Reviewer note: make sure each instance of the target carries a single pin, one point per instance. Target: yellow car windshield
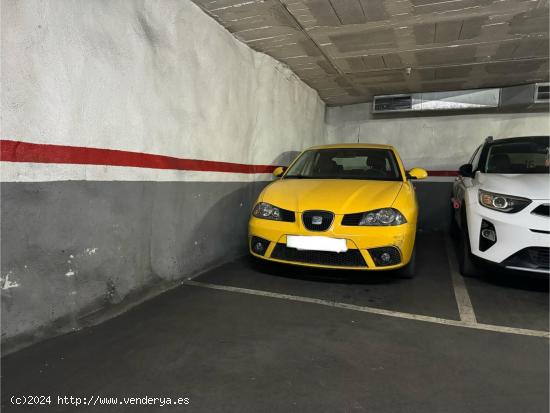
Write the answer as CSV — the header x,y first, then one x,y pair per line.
x,y
346,163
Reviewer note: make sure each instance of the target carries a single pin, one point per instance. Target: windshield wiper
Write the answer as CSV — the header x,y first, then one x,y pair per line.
x,y
298,177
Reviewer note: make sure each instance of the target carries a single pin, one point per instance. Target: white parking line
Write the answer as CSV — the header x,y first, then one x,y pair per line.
x,y
371,310
465,308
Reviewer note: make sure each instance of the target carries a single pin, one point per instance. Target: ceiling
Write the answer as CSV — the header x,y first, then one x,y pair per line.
x,y
350,50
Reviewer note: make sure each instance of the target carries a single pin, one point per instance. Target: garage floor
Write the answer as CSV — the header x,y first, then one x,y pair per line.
x,y
251,338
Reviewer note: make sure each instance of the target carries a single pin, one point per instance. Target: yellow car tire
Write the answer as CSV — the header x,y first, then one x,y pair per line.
x,y
409,271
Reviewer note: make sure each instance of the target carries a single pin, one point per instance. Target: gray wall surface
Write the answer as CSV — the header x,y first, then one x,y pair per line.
x,y
76,247
434,204
158,78
434,141
439,141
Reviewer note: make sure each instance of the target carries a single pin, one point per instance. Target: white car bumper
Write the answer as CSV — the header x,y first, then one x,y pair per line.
x,y
522,238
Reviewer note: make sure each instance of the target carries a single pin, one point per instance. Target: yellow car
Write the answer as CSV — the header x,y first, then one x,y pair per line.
x,y
349,206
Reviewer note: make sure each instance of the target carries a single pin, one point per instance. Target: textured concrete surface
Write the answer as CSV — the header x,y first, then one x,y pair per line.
x,y
147,76
434,203
380,290
163,79
150,77
78,246
432,142
350,50
501,298
72,248
231,352
507,299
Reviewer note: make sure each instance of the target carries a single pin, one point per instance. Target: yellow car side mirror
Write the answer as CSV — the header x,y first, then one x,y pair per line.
x,y
417,173
278,171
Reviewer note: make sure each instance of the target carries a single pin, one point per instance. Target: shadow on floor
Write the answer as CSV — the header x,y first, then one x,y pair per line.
x,y
521,280
321,274
517,280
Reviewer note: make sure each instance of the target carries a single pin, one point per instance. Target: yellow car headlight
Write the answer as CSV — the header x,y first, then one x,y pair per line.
x,y
267,211
382,217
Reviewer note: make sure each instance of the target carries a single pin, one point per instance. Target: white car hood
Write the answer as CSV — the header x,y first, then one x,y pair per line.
x,y
532,186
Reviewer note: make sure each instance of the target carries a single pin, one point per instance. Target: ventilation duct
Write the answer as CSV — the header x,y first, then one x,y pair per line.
x,y
462,99
392,103
525,95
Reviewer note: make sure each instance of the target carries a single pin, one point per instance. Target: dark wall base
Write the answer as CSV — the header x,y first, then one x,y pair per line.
x,y
76,248
434,202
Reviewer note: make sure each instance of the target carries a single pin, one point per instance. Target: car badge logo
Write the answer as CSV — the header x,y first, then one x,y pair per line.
x,y
316,220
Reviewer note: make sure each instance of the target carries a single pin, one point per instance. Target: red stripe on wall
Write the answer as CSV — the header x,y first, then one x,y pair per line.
x,y
442,173
16,151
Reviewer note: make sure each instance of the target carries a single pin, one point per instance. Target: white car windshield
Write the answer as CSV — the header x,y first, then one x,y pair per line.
x,y
528,156
346,163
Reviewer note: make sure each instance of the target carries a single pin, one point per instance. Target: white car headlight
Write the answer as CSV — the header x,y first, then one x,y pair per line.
x,y
382,217
267,211
503,203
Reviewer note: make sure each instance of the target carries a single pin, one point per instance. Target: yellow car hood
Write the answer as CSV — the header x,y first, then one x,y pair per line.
x,y
341,196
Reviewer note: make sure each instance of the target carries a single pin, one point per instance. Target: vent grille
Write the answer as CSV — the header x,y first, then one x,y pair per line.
x,y
543,209
317,220
532,257
542,93
540,256
350,258
352,220
287,216
393,103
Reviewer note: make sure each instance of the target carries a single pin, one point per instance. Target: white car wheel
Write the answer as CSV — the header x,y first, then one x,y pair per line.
x,y
466,261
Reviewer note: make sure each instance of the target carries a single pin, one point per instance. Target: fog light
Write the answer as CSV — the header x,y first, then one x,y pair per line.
x,y
487,235
259,245
385,256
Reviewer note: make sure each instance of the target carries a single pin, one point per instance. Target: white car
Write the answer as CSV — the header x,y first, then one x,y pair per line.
x,y
501,204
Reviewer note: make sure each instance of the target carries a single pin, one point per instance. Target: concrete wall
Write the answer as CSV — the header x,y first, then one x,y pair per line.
x,y
436,142
148,77
83,230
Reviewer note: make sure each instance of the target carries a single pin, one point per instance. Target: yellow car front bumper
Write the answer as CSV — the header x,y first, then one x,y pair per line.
x,y
358,239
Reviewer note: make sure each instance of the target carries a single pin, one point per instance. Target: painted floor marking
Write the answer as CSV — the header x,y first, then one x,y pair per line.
x,y
465,308
372,310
